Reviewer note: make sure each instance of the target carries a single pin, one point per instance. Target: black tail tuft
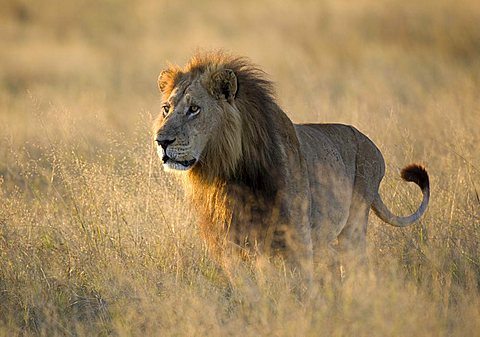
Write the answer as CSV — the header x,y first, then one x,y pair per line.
x,y
416,174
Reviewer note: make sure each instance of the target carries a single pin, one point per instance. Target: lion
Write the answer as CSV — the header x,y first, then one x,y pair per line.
x,y
261,184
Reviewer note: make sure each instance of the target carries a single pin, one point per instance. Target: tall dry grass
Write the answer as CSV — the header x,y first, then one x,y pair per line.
x,y
96,240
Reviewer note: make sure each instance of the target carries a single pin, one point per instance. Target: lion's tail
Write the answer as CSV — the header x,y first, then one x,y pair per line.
x,y
418,175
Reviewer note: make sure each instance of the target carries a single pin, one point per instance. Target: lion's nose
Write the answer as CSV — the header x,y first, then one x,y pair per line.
x,y
163,142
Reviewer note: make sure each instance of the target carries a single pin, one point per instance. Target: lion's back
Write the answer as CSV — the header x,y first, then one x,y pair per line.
x,y
329,145
337,142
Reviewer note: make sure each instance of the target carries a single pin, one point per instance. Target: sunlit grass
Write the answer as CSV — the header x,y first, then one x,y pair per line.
x,y
96,240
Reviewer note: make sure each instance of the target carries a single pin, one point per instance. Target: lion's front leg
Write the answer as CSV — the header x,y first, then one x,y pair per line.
x,y
300,260
292,237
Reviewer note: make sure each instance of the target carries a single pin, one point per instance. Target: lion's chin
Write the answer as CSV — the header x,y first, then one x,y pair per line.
x,y
173,165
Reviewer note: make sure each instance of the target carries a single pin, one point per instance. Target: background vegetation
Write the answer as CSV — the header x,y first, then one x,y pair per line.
x,y
95,240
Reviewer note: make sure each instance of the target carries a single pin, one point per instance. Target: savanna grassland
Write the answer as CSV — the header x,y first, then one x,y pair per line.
x,y
96,240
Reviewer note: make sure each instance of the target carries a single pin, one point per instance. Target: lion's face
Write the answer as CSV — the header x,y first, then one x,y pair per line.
x,y
199,123
189,117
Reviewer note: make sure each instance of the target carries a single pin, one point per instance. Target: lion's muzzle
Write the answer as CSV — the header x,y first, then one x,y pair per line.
x,y
163,142
171,158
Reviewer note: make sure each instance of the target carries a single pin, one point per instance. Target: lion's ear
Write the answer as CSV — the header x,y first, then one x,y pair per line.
x,y
223,84
167,79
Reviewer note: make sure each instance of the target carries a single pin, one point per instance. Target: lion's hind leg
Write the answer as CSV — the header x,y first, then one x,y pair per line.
x,y
352,239
369,172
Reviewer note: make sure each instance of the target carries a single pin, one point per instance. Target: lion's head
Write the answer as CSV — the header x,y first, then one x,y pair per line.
x,y
211,117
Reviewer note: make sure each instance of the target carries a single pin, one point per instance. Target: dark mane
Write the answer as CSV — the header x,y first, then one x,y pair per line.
x,y
259,164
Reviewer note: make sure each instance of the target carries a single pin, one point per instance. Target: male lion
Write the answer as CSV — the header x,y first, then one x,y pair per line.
x,y
259,182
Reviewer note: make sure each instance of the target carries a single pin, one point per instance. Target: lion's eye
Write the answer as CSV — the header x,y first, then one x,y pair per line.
x,y
193,110
165,109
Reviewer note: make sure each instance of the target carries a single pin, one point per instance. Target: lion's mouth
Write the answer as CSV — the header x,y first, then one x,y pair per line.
x,y
178,164
185,163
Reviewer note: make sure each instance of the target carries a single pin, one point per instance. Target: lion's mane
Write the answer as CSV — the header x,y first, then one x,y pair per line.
x,y
227,169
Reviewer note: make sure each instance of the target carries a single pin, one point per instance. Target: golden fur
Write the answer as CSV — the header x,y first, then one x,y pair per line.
x,y
260,182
